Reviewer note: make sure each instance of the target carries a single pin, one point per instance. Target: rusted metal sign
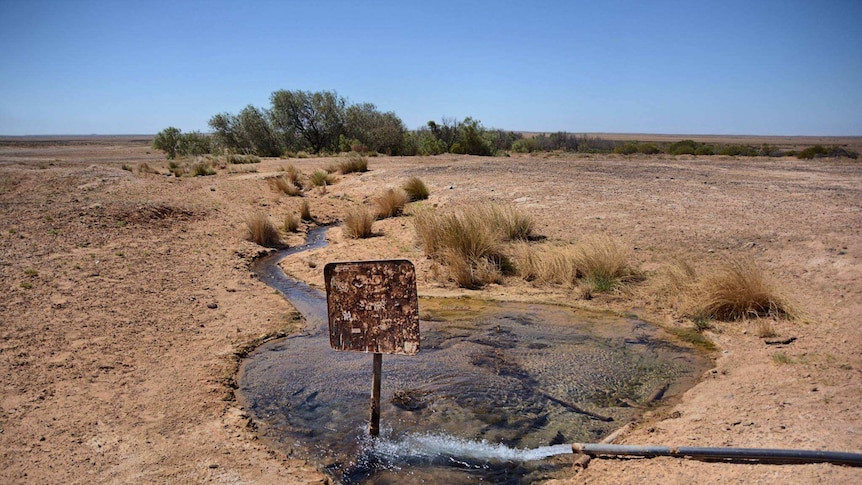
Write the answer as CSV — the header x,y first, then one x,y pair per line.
x,y
373,306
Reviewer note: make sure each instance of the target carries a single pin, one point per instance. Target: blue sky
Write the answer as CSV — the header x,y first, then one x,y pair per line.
x,y
684,67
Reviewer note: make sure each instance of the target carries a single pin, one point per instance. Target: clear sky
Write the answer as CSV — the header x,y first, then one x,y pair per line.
x,y
680,67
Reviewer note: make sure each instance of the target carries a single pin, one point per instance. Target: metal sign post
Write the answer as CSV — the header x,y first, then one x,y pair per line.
x,y
373,307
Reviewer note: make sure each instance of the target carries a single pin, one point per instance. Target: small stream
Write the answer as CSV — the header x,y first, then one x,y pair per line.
x,y
496,389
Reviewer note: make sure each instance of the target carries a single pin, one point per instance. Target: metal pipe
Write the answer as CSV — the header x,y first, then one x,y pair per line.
x,y
729,454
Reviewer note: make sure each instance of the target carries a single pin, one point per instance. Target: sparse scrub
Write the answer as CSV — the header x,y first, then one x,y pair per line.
x,y
391,203
305,211
354,163
262,231
358,223
416,189
739,289
321,178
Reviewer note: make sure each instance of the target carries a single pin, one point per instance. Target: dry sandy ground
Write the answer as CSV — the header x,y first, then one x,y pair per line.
x,y
126,298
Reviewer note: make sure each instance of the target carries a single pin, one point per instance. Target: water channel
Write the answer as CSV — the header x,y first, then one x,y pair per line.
x,y
496,389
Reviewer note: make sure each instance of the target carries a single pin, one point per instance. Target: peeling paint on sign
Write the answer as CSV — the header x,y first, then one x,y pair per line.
x,y
373,306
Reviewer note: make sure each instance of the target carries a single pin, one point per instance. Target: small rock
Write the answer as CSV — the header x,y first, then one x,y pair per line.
x,y
213,465
212,306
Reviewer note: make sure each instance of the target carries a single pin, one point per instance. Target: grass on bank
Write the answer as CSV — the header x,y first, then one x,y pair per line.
x,y
739,289
260,230
285,186
358,223
390,203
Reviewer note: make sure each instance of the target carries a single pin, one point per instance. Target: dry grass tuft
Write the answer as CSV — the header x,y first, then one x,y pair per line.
x,y
736,290
416,189
358,223
354,163
292,174
545,264
291,222
305,211
466,242
145,168
511,221
262,231
285,186
603,263
321,178
391,203
765,329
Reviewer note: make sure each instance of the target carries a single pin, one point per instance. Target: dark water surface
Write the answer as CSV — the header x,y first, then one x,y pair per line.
x,y
496,388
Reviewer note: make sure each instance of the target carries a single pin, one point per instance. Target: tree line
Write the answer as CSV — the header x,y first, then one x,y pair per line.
x,y
323,122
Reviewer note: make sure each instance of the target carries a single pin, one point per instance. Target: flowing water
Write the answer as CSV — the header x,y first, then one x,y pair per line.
x,y
495,389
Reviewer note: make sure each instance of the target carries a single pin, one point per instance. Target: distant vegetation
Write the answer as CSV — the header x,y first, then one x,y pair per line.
x,y
299,123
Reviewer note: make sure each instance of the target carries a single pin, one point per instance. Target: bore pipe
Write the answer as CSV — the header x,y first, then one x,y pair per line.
x,y
737,454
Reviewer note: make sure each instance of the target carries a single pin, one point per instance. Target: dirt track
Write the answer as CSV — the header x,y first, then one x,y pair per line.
x,y
117,370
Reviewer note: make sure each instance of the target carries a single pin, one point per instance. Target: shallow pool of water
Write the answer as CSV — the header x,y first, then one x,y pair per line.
x,y
494,389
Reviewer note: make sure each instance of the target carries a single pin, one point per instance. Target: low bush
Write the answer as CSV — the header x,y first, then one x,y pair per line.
x,y
260,230
391,203
416,189
358,223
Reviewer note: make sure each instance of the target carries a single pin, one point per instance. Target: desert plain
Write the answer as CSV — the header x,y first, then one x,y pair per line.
x,y
127,300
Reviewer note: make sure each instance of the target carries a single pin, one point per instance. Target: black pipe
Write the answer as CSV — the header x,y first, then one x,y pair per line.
x,y
729,454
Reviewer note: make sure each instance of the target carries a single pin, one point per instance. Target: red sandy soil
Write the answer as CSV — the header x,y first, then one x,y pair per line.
x,y
127,299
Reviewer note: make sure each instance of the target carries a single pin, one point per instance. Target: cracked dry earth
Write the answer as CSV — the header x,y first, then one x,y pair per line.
x,y
127,299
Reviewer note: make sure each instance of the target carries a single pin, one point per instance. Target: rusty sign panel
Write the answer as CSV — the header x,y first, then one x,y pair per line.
x,y
373,306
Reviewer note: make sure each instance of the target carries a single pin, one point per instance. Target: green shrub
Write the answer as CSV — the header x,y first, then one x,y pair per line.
x,y
524,145
705,150
737,150
683,147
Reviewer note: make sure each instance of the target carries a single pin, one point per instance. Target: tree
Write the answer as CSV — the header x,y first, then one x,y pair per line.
x,y
168,141
317,117
380,132
256,134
